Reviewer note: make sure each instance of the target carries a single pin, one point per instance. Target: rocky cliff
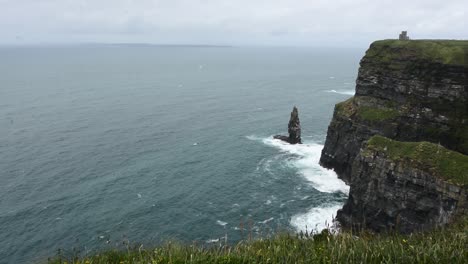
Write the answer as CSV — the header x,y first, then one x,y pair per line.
x,y
407,91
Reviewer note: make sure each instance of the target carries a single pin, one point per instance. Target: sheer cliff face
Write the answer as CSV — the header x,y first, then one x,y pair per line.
x,y
406,91
405,186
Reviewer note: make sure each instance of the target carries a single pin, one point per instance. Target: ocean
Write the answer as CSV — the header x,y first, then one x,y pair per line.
x,y
103,145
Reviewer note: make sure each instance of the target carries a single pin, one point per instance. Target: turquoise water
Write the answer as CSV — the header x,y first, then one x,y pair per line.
x,y
105,144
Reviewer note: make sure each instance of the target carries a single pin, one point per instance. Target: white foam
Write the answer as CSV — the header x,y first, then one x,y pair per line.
x,y
221,223
316,219
307,163
267,220
252,137
213,240
345,92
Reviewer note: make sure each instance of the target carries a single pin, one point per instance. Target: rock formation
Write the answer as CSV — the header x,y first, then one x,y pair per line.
x,y
409,92
405,186
294,129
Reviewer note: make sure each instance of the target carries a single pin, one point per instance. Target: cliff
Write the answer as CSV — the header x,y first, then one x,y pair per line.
x,y
407,91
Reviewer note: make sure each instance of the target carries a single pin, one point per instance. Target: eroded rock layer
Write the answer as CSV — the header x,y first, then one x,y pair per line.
x,y
407,91
405,186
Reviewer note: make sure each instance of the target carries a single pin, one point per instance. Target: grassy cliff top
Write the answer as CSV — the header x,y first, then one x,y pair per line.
x,y
453,52
370,112
450,165
437,246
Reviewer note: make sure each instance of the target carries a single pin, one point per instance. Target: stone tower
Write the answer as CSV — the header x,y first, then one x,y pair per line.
x,y
404,35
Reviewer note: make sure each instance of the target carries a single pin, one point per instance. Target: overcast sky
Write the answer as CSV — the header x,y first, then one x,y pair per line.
x,y
351,23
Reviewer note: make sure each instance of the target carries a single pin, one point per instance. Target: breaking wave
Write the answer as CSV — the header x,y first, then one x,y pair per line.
x,y
345,92
316,219
307,164
305,159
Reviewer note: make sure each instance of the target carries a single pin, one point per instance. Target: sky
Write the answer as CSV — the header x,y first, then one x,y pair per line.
x,y
352,23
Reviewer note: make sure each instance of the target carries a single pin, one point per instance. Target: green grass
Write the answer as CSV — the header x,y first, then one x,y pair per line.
x,y
366,112
447,164
453,52
346,108
376,114
438,246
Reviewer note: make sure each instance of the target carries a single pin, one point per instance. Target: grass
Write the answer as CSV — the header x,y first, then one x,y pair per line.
x,y
453,52
447,164
438,246
374,110
345,108
366,112
376,114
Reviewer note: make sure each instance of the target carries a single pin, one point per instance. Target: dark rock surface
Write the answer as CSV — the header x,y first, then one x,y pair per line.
x,y
386,195
402,95
294,129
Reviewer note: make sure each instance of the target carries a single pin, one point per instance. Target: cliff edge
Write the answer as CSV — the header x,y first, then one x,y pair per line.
x,y
410,95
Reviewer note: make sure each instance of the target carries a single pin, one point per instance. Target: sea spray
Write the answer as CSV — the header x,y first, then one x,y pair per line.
x,y
344,92
307,163
315,219
305,159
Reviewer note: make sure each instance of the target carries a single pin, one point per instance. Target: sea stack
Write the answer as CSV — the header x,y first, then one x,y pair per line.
x,y
294,129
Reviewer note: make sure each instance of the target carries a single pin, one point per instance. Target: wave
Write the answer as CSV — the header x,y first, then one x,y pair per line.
x,y
221,223
345,92
307,163
316,219
267,220
305,158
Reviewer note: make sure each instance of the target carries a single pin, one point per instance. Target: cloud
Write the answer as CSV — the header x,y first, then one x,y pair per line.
x,y
257,22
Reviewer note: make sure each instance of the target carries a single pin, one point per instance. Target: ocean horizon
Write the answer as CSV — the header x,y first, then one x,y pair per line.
x,y
105,144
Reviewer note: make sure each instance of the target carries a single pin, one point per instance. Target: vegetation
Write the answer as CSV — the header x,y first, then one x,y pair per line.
x,y
450,165
438,246
367,112
443,51
462,134
346,107
376,114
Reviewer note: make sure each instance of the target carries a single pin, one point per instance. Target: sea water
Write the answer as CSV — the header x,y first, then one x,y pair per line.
x,y
102,145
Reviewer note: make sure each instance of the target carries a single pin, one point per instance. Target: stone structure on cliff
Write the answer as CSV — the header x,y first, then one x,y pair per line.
x,y
403,36
294,129
411,92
